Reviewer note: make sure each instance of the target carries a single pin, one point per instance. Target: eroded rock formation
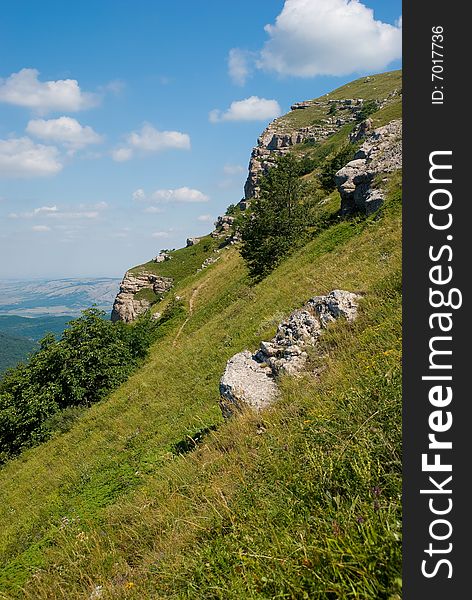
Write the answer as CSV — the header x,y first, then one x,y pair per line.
x,y
249,380
380,153
127,307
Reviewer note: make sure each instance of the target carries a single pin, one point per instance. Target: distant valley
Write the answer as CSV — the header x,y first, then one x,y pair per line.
x,y
58,297
31,309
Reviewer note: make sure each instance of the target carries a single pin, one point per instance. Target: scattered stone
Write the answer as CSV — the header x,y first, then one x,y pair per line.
x,y
301,105
162,256
246,383
249,380
208,261
96,593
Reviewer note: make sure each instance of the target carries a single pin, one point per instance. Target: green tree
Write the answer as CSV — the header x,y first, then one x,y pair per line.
x,y
278,217
93,357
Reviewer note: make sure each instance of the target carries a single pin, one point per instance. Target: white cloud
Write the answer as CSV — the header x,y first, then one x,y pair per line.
x,y
139,194
250,109
22,158
160,234
229,169
122,154
149,139
328,37
239,65
205,218
182,194
79,214
53,212
40,228
25,89
64,130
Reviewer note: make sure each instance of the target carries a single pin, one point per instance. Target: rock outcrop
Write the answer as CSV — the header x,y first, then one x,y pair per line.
x,y
127,307
162,257
279,137
249,380
380,153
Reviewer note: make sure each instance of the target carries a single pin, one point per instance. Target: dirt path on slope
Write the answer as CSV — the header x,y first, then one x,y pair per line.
x,y
191,304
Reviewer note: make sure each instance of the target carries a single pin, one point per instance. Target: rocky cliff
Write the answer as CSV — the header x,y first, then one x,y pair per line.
x,y
128,305
380,154
311,121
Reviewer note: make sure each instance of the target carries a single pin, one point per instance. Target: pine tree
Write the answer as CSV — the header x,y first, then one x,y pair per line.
x,y
278,217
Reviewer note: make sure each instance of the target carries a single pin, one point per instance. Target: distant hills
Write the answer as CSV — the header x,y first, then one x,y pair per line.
x,y
30,309
58,297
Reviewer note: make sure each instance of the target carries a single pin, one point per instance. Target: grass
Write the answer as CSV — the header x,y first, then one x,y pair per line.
x,y
184,262
376,87
111,503
150,494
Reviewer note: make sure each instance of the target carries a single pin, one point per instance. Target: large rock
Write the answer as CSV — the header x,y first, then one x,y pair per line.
x,y
249,380
246,383
126,307
380,153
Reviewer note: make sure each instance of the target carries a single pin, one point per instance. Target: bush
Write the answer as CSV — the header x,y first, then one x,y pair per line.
x,y
93,357
369,107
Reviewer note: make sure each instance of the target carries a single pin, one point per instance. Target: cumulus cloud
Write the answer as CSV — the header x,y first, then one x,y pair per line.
x,y
148,139
64,130
239,65
325,37
153,210
182,194
25,89
122,154
22,158
139,194
250,109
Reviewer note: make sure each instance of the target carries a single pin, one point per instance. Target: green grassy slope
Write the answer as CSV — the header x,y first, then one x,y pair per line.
x,y
152,495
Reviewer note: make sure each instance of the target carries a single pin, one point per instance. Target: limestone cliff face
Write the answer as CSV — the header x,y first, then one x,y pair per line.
x,y
281,135
126,307
380,153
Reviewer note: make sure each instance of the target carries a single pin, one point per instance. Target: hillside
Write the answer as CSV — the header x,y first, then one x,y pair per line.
x,y
13,349
32,328
152,494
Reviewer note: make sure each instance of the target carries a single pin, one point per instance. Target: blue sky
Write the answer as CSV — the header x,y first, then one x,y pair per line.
x,y
127,127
